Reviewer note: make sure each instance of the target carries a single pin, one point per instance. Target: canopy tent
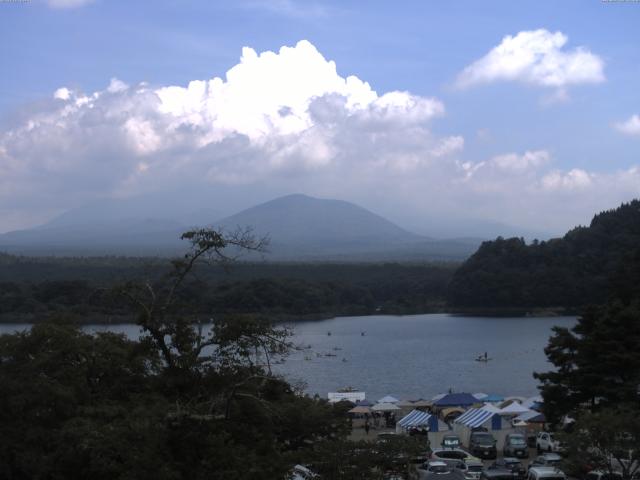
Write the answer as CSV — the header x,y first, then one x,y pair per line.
x,y
480,396
474,417
451,410
419,419
384,407
415,418
388,399
493,398
360,409
405,403
531,417
533,403
489,407
438,397
363,403
456,400
514,409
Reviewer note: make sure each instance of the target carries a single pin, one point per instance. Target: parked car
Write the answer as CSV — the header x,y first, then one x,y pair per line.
x,y
546,460
300,472
470,469
437,470
496,474
545,473
451,441
599,475
545,442
436,467
483,445
512,464
515,445
452,455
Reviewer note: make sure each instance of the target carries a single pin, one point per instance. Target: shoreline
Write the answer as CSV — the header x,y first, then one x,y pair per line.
x,y
96,319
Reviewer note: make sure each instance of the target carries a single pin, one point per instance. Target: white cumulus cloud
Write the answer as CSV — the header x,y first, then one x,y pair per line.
x,y
535,57
283,122
631,126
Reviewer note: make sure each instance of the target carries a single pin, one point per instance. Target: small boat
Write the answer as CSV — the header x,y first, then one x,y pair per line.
x,y
329,334
307,357
345,360
330,355
336,349
362,334
483,358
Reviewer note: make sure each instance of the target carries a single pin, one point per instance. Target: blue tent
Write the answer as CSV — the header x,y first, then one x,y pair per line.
x,y
493,398
456,400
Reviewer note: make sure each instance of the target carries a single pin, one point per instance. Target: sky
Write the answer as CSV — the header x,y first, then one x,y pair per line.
x,y
524,113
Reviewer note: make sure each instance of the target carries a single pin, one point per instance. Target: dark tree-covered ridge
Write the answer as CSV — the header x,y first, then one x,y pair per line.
x,y
566,273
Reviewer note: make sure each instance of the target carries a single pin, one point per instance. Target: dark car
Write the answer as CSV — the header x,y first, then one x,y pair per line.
x,y
546,460
512,464
496,474
515,445
483,445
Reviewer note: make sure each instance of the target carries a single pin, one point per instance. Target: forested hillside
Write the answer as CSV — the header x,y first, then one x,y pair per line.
x,y
565,273
33,289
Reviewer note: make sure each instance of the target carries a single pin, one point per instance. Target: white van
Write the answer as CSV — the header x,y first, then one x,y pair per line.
x,y
545,473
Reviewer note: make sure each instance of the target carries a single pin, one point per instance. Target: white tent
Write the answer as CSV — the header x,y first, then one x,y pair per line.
x,y
480,396
530,402
388,399
490,407
384,407
514,409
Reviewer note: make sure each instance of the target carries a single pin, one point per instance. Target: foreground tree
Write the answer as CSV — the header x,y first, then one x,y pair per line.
x,y
192,398
597,362
607,441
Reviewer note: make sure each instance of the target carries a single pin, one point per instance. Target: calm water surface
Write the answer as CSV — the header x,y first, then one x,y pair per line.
x,y
412,357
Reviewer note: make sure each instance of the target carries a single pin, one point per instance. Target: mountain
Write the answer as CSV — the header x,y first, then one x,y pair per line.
x,y
583,267
299,221
299,227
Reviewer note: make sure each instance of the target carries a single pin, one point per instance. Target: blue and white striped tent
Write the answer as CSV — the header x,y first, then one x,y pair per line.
x,y
417,418
476,417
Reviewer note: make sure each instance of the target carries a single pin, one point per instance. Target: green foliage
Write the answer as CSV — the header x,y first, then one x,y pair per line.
x,y
606,440
189,399
38,288
348,460
597,362
571,272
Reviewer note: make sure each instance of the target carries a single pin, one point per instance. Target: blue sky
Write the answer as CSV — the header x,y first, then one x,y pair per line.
x,y
418,47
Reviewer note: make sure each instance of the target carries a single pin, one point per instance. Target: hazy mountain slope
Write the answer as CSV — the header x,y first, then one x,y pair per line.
x,y
297,220
300,228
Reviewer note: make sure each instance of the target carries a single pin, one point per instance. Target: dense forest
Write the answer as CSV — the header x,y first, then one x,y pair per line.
x,y
563,274
33,289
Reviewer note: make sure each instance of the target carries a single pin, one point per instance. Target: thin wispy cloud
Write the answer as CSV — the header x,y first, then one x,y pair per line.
x,y
290,8
67,4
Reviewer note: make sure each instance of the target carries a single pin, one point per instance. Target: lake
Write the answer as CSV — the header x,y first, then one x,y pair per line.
x,y
414,356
